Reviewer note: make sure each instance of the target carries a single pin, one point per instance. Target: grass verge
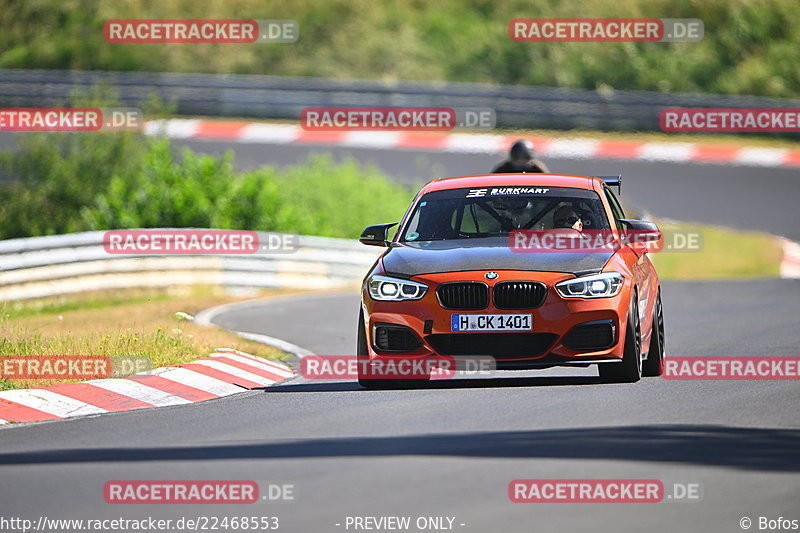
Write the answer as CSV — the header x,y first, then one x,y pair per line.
x,y
135,323
724,254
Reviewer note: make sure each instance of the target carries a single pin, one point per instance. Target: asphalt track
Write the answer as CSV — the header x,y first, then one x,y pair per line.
x,y
451,449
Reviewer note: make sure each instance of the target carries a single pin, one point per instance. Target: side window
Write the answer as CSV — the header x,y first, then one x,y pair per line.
x,y
615,207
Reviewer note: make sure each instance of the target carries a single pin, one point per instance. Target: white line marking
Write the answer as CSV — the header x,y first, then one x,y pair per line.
x,y
666,151
238,372
50,402
371,139
790,264
475,143
577,148
269,133
197,380
270,362
174,128
255,364
764,157
139,391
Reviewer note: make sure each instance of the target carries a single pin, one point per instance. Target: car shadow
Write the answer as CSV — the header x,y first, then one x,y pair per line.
x,y
765,449
352,386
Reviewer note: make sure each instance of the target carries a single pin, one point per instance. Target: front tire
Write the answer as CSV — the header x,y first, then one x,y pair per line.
x,y
630,369
654,364
362,353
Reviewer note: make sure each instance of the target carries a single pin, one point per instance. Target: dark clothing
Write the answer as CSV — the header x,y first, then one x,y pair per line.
x,y
507,167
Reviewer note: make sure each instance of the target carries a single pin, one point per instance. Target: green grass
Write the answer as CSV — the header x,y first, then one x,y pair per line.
x,y
149,325
749,47
60,304
725,254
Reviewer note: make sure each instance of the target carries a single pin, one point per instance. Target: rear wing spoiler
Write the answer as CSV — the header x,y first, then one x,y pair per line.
x,y
613,181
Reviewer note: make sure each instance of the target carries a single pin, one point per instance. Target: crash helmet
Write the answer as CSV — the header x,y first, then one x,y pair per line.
x,y
521,151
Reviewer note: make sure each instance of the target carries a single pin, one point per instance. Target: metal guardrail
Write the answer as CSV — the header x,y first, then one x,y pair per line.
x,y
284,97
38,267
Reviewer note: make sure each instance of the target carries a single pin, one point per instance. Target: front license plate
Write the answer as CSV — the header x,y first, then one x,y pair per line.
x,y
495,322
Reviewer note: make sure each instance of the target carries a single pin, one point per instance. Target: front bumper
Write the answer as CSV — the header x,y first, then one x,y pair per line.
x,y
565,332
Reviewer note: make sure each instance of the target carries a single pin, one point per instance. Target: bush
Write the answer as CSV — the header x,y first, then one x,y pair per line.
x,y
64,183
53,176
749,47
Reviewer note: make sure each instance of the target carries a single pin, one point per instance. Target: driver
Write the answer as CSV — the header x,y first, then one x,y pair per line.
x,y
521,158
566,217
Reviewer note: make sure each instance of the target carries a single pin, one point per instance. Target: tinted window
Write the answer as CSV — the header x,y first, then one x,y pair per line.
x,y
494,211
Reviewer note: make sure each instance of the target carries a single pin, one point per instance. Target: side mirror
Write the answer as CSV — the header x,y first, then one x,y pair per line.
x,y
376,235
643,230
641,234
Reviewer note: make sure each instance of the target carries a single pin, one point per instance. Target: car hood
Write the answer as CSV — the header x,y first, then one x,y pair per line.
x,y
432,257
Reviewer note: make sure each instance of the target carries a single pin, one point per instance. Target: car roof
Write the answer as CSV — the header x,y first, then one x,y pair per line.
x,y
523,179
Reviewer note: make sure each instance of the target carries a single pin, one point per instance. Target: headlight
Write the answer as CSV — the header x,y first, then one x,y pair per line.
x,y
388,289
603,285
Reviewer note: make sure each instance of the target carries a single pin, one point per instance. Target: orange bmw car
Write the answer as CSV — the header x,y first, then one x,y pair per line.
x,y
452,283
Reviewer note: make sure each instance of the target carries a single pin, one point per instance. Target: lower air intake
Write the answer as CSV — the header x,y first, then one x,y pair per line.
x,y
395,338
497,345
591,336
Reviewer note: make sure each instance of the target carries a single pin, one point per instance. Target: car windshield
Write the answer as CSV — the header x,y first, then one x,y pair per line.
x,y
496,211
